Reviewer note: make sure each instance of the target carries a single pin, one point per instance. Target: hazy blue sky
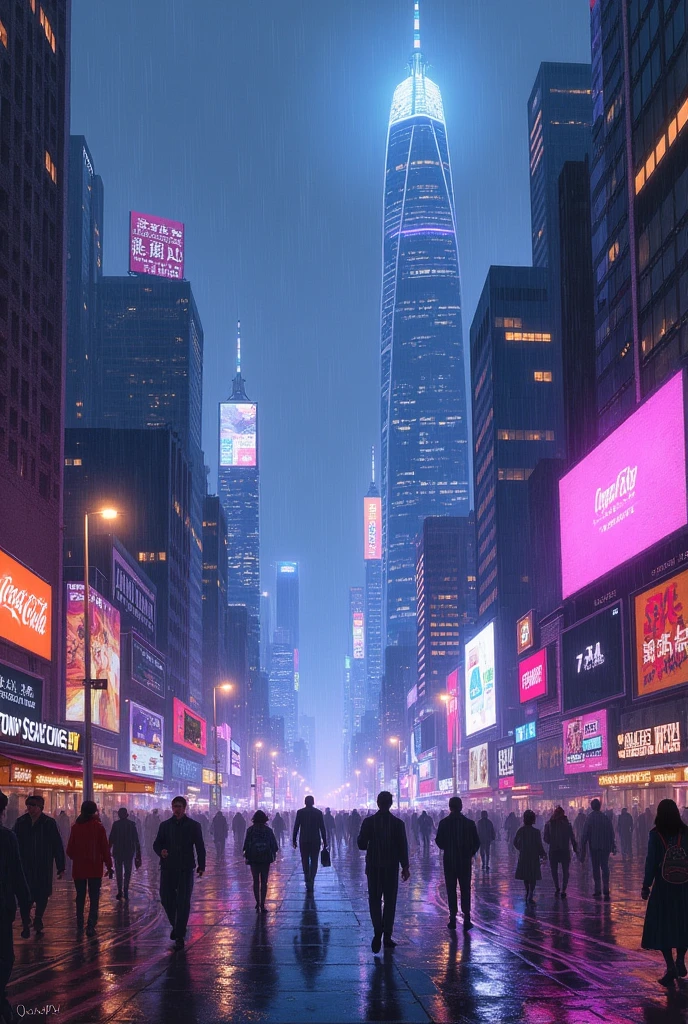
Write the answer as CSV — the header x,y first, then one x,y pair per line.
x,y
262,125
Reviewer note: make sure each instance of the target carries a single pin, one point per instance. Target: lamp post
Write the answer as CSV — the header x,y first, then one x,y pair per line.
x,y
226,688
448,700
258,745
370,761
273,755
104,513
396,741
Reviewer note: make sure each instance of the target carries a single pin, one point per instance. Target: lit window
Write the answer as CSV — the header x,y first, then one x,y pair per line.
x,y
613,251
543,375
50,167
162,556
77,462
527,336
3,35
47,28
69,462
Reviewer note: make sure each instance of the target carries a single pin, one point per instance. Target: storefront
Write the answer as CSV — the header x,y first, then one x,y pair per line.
x,y
645,787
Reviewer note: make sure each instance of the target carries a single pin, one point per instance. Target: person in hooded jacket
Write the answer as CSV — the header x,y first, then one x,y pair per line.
x,y
260,850
89,850
558,835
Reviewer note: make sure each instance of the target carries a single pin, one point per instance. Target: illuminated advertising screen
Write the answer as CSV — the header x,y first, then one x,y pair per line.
x,y
238,446
585,743
628,493
131,595
478,770
481,704
156,246
26,608
452,707
525,732
592,664
661,636
147,667
186,771
525,637
550,757
505,767
532,676
105,658
235,755
372,526
358,635
145,742
189,728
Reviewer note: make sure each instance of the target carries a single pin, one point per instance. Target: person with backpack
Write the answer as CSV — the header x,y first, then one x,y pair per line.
x,y
383,837
665,887
260,850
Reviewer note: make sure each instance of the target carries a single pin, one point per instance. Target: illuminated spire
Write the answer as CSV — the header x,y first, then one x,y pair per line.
x,y
372,459
238,384
416,25
372,490
238,361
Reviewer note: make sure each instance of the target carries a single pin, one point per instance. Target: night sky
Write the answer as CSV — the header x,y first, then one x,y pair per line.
x,y
262,126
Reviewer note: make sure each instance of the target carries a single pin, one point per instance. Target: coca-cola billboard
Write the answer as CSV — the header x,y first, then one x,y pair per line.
x,y
26,608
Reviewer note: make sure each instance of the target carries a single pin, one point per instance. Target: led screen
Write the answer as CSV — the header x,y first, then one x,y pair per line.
x,y
147,667
372,527
661,636
585,743
452,707
26,608
481,705
105,658
628,493
358,636
532,676
478,771
592,665
145,746
235,757
189,728
505,767
156,246
238,434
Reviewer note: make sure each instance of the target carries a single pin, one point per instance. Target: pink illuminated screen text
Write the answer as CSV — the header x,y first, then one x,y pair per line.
x,y
532,676
156,246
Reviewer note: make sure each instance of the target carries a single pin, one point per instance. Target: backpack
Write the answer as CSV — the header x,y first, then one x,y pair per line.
x,y
675,862
259,851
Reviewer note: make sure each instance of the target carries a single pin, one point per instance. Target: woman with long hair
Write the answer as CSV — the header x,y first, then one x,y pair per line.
x,y
260,850
665,887
528,842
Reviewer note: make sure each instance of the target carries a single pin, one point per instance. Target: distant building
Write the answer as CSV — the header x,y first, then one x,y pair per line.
x,y
398,680
307,733
357,653
287,600
372,534
283,695
215,653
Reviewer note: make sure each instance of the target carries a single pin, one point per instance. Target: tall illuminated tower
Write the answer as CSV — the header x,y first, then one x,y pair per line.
x,y
423,403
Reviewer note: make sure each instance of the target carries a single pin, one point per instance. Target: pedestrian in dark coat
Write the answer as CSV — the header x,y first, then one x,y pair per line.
x,y
624,829
457,837
383,837
40,847
528,842
487,836
90,852
309,829
666,917
598,834
279,828
260,850
220,831
13,888
560,839
238,828
126,849
174,844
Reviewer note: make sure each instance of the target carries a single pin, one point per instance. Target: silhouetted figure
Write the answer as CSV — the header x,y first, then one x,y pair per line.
x,y
90,852
125,846
329,826
40,846
279,828
339,828
425,826
414,827
238,828
150,830
666,875
641,833
531,852
457,837
354,826
624,830
174,844
579,825
487,836
560,839
309,829
260,850
220,831
13,889
510,828
383,837
598,835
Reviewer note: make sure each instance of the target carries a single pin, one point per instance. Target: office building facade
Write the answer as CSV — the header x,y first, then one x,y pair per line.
x,y
372,546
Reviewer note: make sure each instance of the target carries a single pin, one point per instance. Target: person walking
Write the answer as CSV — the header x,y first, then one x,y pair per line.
x,y
487,836
279,828
329,827
579,825
339,828
457,837
126,850
354,827
177,839
90,852
624,830
238,829
598,836
425,826
309,830
40,846
560,839
665,887
13,889
531,852
220,831
414,827
383,837
260,850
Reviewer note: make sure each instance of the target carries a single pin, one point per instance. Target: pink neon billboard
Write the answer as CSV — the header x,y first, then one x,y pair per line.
x,y
532,676
628,493
586,747
156,246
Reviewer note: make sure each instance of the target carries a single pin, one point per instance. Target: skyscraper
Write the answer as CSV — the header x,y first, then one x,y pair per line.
x,y
423,400
372,549
357,653
215,660
287,600
283,696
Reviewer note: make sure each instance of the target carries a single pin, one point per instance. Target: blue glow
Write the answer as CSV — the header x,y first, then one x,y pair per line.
x,y
416,25
428,231
417,95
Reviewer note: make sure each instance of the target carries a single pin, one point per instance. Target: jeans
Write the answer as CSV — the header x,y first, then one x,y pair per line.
x,y
599,860
93,884
6,953
461,875
383,886
309,860
425,836
260,874
41,901
485,856
557,857
176,887
123,868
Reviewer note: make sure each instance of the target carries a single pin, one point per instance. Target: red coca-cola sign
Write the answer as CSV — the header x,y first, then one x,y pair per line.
x,y
25,608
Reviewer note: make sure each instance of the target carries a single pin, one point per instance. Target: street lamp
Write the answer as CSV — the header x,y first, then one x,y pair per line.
x,y
226,688
108,514
395,741
447,699
258,745
273,755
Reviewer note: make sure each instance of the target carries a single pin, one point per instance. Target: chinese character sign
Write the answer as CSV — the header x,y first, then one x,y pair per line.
x,y
661,636
156,246
592,659
105,658
238,445
372,526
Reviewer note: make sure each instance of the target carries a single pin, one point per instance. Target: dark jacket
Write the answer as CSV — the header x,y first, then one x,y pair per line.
x,y
219,827
309,827
598,833
13,885
383,837
486,832
124,840
559,836
666,917
179,838
264,833
238,825
528,842
39,846
457,836
88,847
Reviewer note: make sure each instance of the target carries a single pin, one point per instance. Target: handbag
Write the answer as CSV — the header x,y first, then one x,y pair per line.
x,y
325,859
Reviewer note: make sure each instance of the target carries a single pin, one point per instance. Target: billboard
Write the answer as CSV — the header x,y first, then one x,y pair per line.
x,y
235,758
628,493
372,527
189,728
156,246
147,667
592,663
452,707
585,743
661,636
527,731
20,694
478,770
238,421
105,658
26,608
525,633
145,742
532,676
358,635
481,705
186,771
131,595
505,767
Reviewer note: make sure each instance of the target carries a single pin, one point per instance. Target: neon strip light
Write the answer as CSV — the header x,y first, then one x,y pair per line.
x,y
428,231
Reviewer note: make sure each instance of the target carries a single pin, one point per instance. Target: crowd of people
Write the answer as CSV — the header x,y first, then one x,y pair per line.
x,y
37,847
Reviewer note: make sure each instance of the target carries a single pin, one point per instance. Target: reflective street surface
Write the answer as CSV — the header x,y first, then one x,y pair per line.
x,y
309,958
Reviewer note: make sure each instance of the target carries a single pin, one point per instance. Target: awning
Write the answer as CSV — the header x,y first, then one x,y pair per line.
x,y
23,770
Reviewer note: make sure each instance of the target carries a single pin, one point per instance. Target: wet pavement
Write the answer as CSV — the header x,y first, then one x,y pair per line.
x,y
308,958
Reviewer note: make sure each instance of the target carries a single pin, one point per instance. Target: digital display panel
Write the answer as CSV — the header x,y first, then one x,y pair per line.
x,y
372,526
661,636
532,676
481,704
235,756
131,595
505,767
105,658
523,733
628,493
238,433
525,638
585,743
452,707
147,667
156,246
592,659
186,771
478,770
358,635
189,728
145,742
26,608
